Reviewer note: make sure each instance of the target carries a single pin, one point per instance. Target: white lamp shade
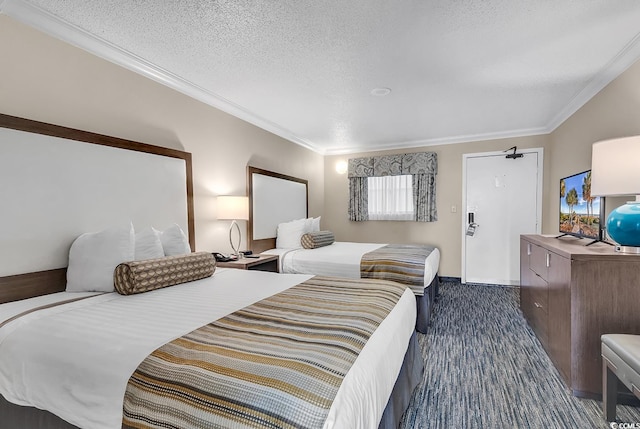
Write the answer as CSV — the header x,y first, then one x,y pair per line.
x,y
233,208
615,167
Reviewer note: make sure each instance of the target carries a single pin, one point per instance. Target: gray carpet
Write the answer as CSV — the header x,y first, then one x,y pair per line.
x,y
484,368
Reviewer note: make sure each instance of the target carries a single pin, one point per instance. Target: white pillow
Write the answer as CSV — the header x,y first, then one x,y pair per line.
x,y
148,244
289,234
95,255
174,241
315,224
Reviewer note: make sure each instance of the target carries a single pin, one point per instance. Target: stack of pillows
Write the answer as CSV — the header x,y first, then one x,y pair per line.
x,y
142,261
119,259
302,233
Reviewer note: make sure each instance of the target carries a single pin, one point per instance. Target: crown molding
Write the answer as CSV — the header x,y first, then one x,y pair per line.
x,y
440,141
627,56
50,24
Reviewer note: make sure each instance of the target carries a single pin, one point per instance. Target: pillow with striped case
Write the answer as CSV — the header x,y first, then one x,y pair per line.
x,y
150,274
313,240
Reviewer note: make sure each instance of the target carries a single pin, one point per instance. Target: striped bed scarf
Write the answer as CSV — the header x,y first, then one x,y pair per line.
x,y
275,364
403,263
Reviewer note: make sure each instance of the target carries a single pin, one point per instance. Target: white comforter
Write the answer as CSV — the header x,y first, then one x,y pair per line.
x,y
75,359
340,259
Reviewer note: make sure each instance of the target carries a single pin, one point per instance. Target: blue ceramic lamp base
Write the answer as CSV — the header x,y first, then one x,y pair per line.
x,y
623,226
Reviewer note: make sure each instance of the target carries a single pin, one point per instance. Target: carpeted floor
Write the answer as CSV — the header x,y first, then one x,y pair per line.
x,y
484,368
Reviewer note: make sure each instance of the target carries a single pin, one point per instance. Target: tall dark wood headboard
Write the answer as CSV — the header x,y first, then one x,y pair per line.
x,y
15,135
273,198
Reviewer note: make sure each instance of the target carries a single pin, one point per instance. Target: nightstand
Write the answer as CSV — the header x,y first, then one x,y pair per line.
x,y
263,263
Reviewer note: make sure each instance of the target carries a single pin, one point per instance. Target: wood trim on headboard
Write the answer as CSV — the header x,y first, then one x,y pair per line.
x,y
43,282
21,286
258,246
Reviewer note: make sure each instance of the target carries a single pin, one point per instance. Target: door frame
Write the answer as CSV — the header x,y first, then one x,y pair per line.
x,y
463,226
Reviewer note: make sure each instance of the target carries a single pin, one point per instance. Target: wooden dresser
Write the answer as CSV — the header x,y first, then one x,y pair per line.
x,y
571,294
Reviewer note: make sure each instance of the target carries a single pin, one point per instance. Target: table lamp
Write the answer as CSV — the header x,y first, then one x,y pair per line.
x,y
615,171
233,208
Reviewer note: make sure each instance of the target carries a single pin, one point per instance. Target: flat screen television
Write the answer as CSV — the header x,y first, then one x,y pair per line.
x,y
580,212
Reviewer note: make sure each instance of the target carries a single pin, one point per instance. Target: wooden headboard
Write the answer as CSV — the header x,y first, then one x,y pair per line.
x,y
273,198
57,183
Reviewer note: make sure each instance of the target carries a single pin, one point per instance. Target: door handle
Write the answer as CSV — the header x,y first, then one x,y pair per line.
x,y
471,226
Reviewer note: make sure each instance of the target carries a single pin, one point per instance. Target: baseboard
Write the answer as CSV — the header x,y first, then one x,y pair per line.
x,y
624,397
491,285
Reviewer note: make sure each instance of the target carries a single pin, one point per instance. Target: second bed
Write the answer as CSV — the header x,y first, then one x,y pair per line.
x,y
344,259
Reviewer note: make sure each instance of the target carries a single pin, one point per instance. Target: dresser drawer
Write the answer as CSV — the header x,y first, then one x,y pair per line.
x,y
538,321
539,293
537,312
539,261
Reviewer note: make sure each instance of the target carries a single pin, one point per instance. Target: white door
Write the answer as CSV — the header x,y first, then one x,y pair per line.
x,y
502,197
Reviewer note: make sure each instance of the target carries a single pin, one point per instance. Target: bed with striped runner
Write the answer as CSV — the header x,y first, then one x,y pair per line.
x,y
403,263
275,364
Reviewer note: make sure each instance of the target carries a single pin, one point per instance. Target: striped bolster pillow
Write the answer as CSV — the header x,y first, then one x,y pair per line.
x,y
143,276
313,240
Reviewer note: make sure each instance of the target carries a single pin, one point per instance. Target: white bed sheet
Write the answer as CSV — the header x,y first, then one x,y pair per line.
x,y
74,360
340,259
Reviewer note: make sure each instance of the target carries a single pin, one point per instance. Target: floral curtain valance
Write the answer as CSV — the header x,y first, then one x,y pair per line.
x,y
394,165
423,166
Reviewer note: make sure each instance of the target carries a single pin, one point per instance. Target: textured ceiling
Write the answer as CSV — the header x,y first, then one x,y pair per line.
x,y
458,70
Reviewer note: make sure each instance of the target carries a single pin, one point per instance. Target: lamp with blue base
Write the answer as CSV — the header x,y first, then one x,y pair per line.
x,y
623,226
615,171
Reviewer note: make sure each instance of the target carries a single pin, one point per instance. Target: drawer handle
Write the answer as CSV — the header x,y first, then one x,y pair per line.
x,y
528,249
548,257
537,305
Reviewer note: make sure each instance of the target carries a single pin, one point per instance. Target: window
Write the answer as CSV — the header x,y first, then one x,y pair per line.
x,y
390,197
393,187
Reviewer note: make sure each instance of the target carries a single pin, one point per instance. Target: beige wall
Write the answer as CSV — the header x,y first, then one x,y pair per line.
x,y
47,80
446,233
613,112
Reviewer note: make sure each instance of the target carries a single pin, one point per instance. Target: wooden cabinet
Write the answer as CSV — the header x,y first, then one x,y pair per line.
x,y
545,301
571,294
559,313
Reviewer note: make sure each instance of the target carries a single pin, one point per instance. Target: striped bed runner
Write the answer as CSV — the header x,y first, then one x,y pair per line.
x,y
275,364
403,263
